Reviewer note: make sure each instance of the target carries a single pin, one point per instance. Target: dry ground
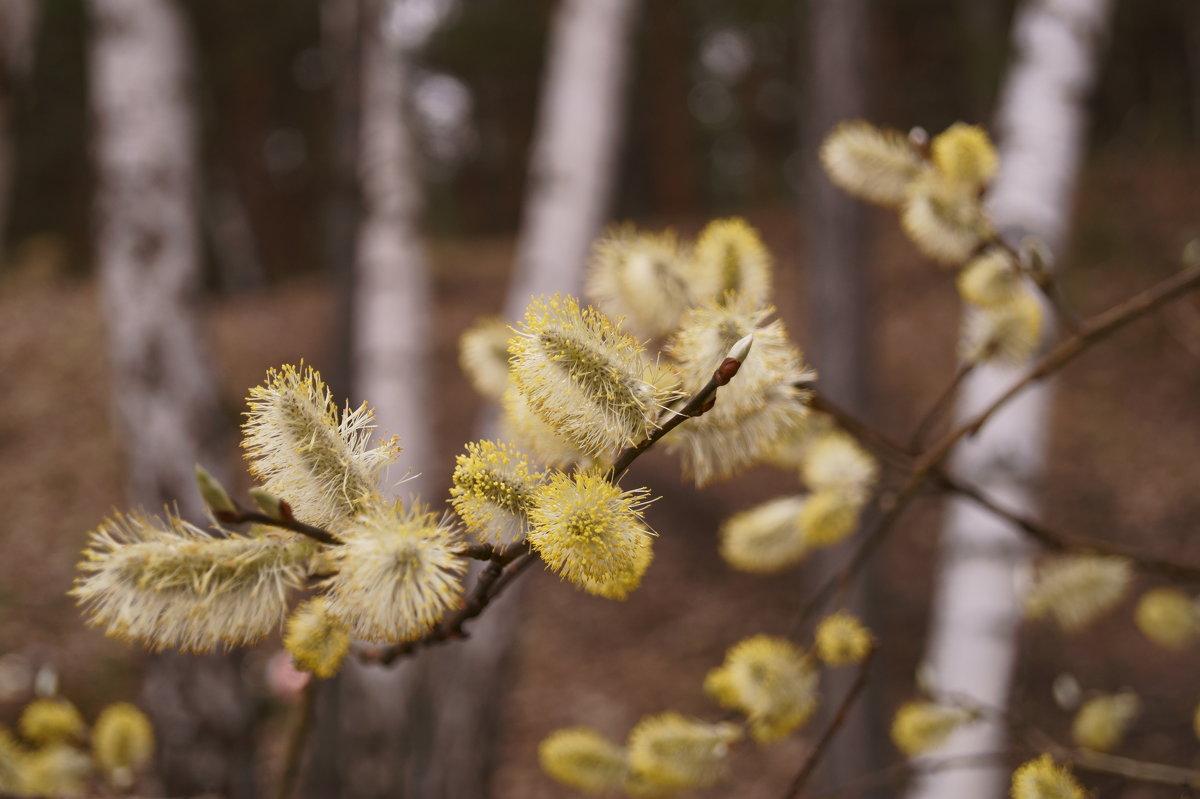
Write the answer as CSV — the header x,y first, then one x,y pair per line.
x,y
1125,438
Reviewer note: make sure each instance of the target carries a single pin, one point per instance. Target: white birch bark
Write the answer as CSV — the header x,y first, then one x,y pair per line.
x,y
574,156
164,397
18,24
1041,124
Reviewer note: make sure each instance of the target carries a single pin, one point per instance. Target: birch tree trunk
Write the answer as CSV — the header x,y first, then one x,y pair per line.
x,y
574,156
839,294
18,23
163,391
1041,124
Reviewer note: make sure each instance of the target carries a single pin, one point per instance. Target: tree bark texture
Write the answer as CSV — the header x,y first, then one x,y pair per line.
x,y
1041,125
580,121
163,389
839,300
18,24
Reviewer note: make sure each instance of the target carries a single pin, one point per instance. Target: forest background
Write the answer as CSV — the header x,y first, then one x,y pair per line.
x,y
719,106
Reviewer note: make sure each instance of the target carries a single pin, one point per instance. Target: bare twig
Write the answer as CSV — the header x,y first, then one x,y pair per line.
x,y
839,717
287,521
939,405
293,757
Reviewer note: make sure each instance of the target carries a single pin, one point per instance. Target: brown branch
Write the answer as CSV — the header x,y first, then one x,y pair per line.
x,y
939,405
1055,541
839,717
1094,330
240,515
294,754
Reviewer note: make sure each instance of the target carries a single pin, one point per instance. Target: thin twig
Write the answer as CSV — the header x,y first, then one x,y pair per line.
x,y
839,717
939,405
1053,540
240,515
293,756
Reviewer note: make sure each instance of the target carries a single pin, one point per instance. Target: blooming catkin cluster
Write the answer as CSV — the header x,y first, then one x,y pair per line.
x,y
493,490
921,726
49,757
1075,590
1042,778
938,192
779,533
664,754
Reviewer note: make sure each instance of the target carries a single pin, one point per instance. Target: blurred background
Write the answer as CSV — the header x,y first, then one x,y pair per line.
x,y
192,192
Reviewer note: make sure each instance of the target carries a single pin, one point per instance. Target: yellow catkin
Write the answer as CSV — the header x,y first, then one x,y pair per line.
x,y
873,164
583,759
765,538
589,530
55,770
483,356
922,726
493,485
1042,778
730,258
1101,723
990,279
122,742
530,434
829,517
841,639
1005,334
1077,589
669,752
964,153
399,570
835,462
1168,617
47,721
640,278
771,681
317,642
944,218
319,460
583,376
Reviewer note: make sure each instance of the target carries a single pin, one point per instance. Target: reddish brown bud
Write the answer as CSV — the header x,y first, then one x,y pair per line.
x,y
725,372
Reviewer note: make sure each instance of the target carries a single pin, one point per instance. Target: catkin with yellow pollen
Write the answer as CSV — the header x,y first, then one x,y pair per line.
x,y
640,278
922,726
122,742
167,583
1042,778
1076,590
1168,617
589,530
399,571
493,486
771,681
670,752
728,259
319,460
317,642
1101,723
765,538
1006,333
483,356
583,376
583,759
873,164
841,639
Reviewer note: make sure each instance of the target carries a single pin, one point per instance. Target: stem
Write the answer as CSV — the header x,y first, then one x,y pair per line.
x,y
294,754
242,516
943,399
814,756
697,405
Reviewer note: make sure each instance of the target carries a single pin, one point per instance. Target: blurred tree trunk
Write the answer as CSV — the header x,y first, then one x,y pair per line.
x,y
18,24
839,291
163,389
574,155
1192,45
1042,124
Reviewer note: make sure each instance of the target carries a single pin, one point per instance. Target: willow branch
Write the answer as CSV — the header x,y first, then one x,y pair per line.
x,y
839,718
1091,332
286,521
294,754
1055,541
939,405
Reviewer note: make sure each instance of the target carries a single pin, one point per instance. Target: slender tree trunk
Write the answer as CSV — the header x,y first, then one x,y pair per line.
x,y
163,389
839,286
575,153
18,24
1041,124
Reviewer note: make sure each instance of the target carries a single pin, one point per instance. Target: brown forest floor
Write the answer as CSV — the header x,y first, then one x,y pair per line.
x,y
1125,464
